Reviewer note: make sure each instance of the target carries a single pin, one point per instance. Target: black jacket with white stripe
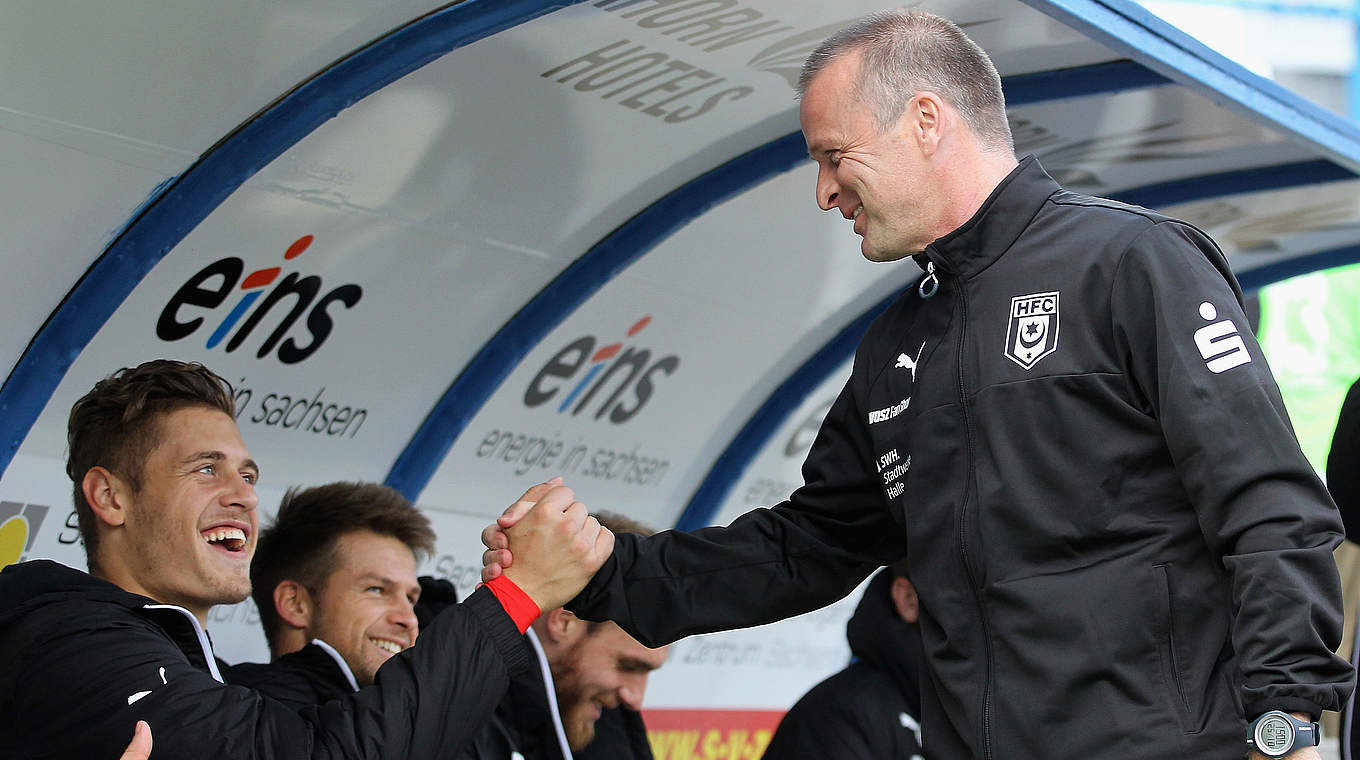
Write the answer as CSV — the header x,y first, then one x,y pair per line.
x,y
81,661
309,676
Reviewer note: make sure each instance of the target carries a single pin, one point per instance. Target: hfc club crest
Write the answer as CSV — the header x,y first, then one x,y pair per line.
x,y
1032,332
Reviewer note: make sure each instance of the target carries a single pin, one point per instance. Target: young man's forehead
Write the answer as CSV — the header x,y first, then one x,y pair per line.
x,y
200,432
371,559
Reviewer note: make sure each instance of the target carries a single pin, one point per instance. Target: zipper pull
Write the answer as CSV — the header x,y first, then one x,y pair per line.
x,y
930,283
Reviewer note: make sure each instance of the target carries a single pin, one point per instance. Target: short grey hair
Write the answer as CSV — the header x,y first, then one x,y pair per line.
x,y
903,52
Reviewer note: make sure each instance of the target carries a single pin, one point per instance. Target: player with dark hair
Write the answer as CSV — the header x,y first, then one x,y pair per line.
x,y
166,489
334,580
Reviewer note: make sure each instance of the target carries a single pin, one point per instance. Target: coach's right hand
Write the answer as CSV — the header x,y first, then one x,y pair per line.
x,y
556,545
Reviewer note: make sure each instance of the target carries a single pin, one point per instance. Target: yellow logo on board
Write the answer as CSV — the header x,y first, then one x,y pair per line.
x,y
13,539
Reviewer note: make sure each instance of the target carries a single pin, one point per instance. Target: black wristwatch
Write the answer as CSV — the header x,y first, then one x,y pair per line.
x,y
1276,734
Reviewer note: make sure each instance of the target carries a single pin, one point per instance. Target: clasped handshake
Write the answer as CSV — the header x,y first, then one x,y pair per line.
x,y
547,544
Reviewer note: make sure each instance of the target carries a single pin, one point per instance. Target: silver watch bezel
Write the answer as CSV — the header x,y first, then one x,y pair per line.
x,y
1267,720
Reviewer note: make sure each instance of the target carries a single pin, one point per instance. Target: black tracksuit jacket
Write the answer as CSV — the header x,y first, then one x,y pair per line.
x,y
523,729
1119,549
312,675
871,710
309,676
81,661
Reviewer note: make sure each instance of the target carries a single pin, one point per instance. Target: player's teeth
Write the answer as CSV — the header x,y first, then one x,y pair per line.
x,y
390,646
222,534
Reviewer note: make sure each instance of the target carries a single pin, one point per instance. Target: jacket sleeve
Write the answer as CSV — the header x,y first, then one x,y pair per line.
x,y
1343,463
768,564
1177,317
426,702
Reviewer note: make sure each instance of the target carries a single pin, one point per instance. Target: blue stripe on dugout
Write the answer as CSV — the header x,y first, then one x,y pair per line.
x,y
1097,79
1258,277
1237,182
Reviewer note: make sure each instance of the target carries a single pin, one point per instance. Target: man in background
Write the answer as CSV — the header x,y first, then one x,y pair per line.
x,y
584,699
871,709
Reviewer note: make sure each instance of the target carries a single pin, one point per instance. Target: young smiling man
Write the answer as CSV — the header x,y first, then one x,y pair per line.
x,y
165,493
334,579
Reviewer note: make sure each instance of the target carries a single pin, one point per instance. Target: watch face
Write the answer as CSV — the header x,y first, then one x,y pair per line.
x,y
1274,735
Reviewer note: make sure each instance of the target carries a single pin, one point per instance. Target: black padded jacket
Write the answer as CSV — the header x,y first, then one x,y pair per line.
x,y
309,676
81,661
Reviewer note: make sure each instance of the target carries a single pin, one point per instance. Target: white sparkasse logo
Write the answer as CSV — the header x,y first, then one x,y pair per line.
x,y
1032,332
1219,343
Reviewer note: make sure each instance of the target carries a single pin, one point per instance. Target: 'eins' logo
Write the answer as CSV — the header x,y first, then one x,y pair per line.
x,y
613,369
212,285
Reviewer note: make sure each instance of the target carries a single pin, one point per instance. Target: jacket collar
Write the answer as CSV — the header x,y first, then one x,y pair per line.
x,y
330,662
28,586
981,240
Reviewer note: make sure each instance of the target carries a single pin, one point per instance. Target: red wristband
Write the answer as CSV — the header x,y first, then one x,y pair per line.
x,y
517,604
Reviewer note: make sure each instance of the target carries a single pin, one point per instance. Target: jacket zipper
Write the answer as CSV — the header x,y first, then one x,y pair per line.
x,y
973,583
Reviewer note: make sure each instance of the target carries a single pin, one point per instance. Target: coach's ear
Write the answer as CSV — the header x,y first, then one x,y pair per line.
x,y
107,494
293,602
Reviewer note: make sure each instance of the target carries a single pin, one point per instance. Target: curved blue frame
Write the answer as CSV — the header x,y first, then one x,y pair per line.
x,y
178,206
1236,182
1128,28
1096,79
1259,277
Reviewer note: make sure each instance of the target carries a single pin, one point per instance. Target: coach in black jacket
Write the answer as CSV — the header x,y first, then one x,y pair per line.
x,y
871,710
1066,428
164,489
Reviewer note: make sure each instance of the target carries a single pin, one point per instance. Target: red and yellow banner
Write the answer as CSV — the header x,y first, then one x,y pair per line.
x,y
710,734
